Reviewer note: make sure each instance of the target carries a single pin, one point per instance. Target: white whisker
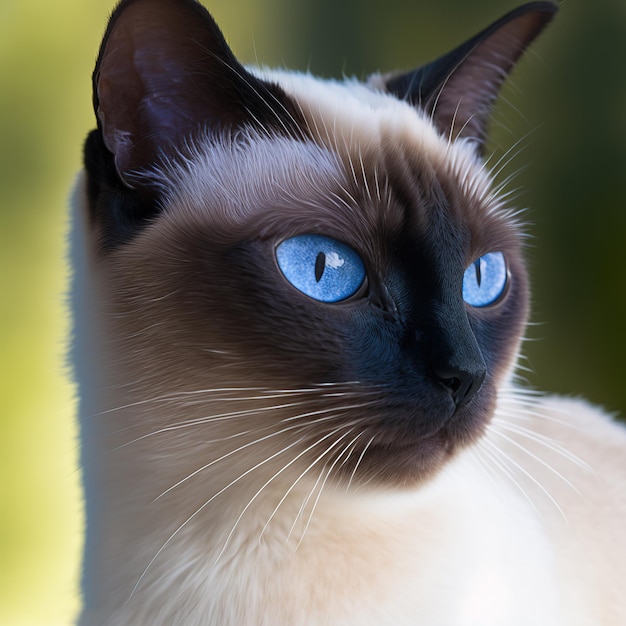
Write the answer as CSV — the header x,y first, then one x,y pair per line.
x,y
547,442
356,467
238,414
322,411
305,502
533,456
209,419
528,475
319,494
228,454
500,461
201,508
260,490
482,461
295,482
365,181
352,446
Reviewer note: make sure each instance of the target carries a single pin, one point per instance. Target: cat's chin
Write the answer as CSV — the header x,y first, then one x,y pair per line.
x,y
403,459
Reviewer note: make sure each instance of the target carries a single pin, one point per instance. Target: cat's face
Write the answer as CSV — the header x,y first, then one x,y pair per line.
x,y
325,250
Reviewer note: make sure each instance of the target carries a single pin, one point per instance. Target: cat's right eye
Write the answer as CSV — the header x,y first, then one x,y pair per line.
x,y
321,267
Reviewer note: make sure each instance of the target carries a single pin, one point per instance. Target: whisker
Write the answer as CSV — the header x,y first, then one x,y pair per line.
x,y
228,454
350,407
548,442
365,181
263,392
356,467
299,417
528,475
510,154
201,508
319,494
172,397
534,457
206,420
490,474
256,92
241,413
260,490
377,183
526,412
352,446
506,471
293,485
312,491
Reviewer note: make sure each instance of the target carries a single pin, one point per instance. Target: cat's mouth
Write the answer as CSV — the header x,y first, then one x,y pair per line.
x,y
401,454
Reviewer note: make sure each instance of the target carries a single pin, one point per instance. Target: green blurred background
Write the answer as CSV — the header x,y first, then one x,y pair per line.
x,y
568,98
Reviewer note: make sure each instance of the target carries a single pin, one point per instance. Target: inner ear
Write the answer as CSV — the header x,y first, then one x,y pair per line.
x,y
165,72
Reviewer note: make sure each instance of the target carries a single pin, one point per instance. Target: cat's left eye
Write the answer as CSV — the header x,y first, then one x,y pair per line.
x,y
485,280
321,267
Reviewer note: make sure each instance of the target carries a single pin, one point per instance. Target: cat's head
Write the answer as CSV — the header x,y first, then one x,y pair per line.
x,y
336,246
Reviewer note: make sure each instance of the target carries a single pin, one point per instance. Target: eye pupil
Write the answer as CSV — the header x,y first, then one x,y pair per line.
x,y
478,272
320,266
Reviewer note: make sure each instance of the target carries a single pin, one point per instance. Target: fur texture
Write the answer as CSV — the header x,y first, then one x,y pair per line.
x,y
254,457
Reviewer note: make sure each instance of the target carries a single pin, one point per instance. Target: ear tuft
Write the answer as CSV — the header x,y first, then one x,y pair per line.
x,y
458,89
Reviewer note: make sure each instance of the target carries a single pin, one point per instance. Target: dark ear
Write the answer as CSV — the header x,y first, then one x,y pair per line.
x,y
163,72
458,89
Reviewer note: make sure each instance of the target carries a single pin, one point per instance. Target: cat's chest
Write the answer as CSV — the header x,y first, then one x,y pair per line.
x,y
454,563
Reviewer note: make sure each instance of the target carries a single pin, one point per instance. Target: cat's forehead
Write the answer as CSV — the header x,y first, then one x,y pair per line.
x,y
367,159
371,128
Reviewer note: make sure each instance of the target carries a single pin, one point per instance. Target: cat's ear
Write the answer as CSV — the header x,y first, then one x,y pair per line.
x,y
458,89
164,72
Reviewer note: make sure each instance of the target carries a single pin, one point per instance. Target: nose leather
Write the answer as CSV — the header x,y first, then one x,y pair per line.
x,y
460,383
456,360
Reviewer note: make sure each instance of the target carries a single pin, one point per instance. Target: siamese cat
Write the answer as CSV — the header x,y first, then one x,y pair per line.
x,y
298,311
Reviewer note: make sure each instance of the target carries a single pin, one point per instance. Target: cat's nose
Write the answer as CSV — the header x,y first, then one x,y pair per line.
x,y
460,383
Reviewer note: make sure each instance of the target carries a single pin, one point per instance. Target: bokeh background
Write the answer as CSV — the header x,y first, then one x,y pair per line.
x,y
566,102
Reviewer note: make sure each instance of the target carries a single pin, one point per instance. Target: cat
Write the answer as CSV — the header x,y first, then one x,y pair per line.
x,y
298,310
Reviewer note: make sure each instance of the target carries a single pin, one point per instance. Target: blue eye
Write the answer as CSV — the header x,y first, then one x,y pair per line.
x,y
484,280
320,267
